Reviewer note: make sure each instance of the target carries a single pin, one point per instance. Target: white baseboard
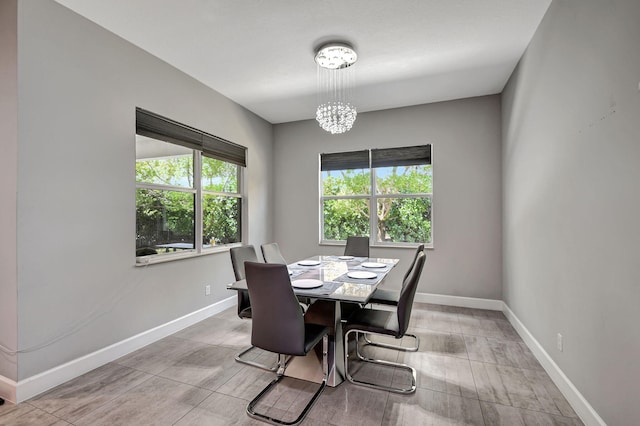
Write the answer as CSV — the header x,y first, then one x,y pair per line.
x,y
7,389
580,405
463,302
32,386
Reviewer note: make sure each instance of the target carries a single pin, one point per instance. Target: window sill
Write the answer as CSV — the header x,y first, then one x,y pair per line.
x,y
163,258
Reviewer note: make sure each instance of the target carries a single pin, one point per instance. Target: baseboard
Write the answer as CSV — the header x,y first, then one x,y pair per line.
x,y
463,302
32,386
7,389
580,405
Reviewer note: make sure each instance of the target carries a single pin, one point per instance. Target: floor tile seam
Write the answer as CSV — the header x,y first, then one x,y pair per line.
x,y
502,339
61,419
444,355
174,381
434,352
34,408
190,410
477,397
386,402
243,368
53,413
508,365
436,331
537,370
475,383
132,368
421,330
15,407
531,410
559,413
507,393
452,394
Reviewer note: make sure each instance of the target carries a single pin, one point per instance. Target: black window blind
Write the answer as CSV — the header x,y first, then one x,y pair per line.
x,y
404,156
158,127
345,160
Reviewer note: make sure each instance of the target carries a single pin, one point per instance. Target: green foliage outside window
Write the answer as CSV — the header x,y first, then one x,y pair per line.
x,y
165,216
399,219
173,171
220,219
345,217
219,176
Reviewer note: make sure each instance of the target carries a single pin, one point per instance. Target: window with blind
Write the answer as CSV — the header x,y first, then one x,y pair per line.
x,y
384,193
188,188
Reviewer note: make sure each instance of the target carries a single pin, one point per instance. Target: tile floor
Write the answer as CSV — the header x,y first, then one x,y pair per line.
x,y
473,369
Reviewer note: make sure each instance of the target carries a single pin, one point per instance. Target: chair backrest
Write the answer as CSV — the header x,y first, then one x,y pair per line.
x,y
277,323
408,292
357,246
239,255
271,253
413,262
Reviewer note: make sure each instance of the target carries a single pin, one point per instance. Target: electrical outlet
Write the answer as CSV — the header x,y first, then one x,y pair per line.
x,y
207,290
559,342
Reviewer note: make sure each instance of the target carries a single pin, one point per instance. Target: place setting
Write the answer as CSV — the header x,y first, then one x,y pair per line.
x,y
314,287
360,277
308,263
374,266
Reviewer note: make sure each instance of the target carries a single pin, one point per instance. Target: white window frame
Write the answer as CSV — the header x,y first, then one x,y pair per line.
x,y
373,217
198,191
154,126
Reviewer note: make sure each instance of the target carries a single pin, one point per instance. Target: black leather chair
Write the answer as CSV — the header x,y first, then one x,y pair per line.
x,y
271,254
391,297
278,326
388,323
239,255
357,246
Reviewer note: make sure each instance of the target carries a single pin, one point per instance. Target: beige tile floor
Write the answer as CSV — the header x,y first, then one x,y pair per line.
x,y
473,369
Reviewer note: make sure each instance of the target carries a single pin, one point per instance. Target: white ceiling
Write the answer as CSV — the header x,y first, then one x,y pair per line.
x,y
259,53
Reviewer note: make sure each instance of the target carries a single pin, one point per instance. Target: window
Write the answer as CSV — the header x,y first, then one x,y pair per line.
x,y
188,188
384,193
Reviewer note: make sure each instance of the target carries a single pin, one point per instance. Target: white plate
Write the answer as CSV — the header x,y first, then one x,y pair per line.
x,y
290,272
345,257
306,283
373,265
361,274
309,262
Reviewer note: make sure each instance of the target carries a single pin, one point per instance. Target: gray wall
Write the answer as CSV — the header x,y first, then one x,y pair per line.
x,y
78,89
8,177
465,134
571,127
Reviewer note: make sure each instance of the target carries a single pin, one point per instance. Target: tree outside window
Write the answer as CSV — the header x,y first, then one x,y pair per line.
x,y
400,190
168,197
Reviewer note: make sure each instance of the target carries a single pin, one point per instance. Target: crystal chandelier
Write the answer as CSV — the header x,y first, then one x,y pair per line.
x,y
335,113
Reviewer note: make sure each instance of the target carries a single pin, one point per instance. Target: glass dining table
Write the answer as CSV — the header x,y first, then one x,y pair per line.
x,y
330,282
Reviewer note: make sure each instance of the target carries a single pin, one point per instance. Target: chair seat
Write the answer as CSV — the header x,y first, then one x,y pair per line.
x,y
313,334
385,297
374,321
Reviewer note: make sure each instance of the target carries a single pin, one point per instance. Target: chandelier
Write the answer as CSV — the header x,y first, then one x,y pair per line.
x,y
335,113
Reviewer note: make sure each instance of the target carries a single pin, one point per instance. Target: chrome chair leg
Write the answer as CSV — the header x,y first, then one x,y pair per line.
x,y
403,390
396,347
239,359
282,365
